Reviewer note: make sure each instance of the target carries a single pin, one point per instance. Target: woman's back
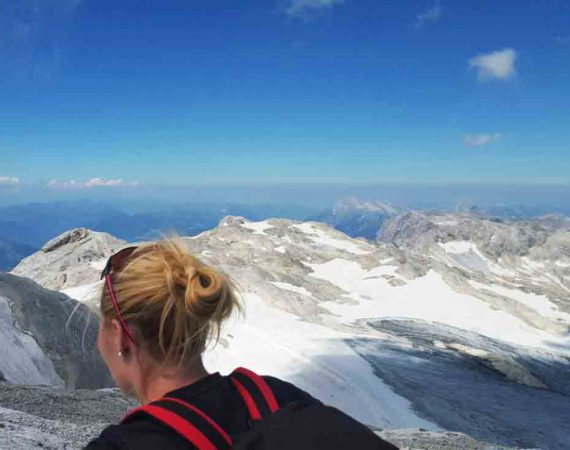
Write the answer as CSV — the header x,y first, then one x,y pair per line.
x,y
214,394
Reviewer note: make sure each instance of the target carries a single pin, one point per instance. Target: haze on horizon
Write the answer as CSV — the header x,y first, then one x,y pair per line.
x,y
297,101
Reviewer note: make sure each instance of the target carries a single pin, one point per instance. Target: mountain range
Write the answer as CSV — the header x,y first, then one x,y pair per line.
x,y
356,217
33,224
28,226
445,322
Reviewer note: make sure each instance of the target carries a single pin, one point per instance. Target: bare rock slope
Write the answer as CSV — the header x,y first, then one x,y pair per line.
x,y
47,337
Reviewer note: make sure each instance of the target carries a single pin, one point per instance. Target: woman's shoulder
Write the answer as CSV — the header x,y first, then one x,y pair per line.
x,y
147,433
139,435
109,439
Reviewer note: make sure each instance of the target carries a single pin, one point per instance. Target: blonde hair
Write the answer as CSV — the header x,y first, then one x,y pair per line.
x,y
175,302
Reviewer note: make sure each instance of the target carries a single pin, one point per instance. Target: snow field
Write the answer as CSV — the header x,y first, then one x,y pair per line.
x,y
427,298
324,239
315,358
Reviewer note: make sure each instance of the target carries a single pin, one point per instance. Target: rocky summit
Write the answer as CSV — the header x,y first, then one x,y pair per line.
x,y
71,259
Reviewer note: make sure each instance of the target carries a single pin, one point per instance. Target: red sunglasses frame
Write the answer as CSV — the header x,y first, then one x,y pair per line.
x,y
114,264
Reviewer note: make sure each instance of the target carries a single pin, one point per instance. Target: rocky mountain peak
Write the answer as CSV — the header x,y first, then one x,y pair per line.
x,y
232,220
73,258
76,235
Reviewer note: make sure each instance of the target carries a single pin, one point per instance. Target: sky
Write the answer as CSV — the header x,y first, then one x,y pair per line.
x,y
100,94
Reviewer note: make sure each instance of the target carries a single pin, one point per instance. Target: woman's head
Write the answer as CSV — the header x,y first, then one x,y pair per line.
x,y
172,304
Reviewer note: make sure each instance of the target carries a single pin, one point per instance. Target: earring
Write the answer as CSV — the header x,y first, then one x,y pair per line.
x,y
120,354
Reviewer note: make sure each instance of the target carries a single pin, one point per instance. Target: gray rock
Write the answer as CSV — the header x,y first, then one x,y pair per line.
x,y
33,417
532,255
64,329
419,439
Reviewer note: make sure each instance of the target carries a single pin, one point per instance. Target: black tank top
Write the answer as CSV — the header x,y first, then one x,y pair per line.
x,y
213,394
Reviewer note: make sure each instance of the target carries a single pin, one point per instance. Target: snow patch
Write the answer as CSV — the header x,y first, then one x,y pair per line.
x,y
539,303
88,294
99,264
529,265
450,223
458,247
292,288
326,240
465,254
257,227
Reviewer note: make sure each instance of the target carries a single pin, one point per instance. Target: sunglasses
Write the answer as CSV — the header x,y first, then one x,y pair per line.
x,y
114,264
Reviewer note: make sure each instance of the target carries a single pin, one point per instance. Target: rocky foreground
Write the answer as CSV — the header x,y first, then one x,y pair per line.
x,y
33,417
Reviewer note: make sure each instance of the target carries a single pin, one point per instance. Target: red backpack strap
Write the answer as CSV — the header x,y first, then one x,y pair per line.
x,y
188,421
256,393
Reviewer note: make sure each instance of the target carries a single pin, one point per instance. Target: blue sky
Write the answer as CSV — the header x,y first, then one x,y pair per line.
x,y
182,92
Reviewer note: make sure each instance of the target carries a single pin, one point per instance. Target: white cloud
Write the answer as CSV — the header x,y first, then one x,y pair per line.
x,y
101,182
430,15
64,184
480,140
93,182
9,180
499,64
299,7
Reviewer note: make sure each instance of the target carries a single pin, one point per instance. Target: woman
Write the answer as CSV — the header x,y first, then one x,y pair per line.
x,y
159,309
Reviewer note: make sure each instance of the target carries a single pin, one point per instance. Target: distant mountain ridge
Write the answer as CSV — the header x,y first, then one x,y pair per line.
x,y
31,225
497,237
356,217
11,253
35,223
360,218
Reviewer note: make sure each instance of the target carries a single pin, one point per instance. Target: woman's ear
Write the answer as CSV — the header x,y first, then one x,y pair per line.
x,y
120,339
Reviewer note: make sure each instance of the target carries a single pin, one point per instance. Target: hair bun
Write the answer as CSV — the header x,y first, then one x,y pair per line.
x,y
204,278
205,291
